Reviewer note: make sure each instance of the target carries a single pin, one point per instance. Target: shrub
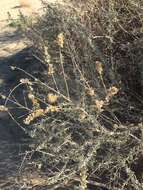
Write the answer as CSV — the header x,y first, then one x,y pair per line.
x,y
78,138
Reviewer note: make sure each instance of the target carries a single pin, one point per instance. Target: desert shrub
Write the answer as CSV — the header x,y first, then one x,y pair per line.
x,y
77,100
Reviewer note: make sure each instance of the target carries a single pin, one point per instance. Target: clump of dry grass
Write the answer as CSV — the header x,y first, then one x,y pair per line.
x,y
72,115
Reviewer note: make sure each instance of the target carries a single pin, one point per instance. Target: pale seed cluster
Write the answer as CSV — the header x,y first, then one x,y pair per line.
x,y
40,112
91,92
51,70
112,91
60,40
52,98
34,101
99,67
47,55
99,105
35,114
26,81
3,108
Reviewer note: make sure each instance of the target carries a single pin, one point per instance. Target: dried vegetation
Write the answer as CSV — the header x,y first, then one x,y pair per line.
x,y
84,107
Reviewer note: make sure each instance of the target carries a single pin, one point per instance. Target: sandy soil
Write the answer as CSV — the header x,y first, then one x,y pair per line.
x,y
14,6
10,42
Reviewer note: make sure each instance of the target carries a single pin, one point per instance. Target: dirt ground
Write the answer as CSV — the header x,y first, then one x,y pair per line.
x,y
14,6
10,41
